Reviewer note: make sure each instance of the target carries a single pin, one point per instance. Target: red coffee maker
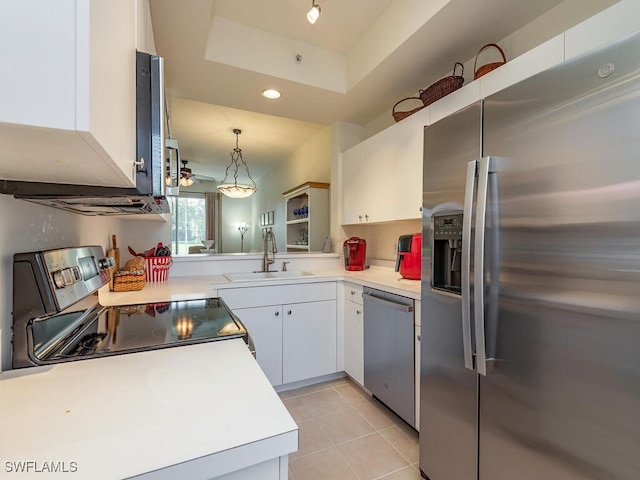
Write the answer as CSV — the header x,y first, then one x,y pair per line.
x,y
355,252
409,260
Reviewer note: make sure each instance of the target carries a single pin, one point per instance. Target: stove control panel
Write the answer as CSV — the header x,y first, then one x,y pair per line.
x,y
68,276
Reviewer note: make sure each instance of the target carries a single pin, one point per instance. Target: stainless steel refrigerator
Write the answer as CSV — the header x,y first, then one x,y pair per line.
x,y
530,351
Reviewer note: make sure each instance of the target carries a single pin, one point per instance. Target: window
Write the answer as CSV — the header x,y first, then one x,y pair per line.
x,y
195,217
189,222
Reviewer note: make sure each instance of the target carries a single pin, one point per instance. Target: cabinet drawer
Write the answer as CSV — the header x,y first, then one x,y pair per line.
x,y
245,297
352,292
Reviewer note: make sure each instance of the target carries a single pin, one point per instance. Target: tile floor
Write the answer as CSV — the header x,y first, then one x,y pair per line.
x,y
346,434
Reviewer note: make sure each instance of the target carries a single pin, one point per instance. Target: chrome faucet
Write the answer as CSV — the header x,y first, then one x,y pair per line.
x,y
265,257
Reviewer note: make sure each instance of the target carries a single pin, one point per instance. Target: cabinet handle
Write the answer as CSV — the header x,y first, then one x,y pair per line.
x,y
288,312
277,314
358,312
353,292
418,338
360,217
366,218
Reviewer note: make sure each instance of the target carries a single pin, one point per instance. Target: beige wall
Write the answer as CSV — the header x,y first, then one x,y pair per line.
x,y
310,163
382,239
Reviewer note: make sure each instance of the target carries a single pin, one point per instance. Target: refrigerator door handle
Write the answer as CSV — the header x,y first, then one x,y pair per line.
x,y
485,165
465,279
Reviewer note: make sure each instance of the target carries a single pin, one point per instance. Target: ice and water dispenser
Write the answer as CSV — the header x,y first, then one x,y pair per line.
x,y
447,252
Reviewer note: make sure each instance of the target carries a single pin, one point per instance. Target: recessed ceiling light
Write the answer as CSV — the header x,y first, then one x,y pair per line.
x,y
271,93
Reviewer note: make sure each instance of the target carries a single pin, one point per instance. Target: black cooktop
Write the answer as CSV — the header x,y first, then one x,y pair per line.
x,y
101,331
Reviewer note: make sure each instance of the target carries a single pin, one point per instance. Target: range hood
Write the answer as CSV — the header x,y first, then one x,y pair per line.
x,y
149,194
86,199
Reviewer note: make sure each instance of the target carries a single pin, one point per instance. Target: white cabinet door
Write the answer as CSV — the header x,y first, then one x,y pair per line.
x,y
404,168
38,59
68,105
308,340
368,181
365,173
107,103
382,176
379,175
293,341
354,341
265,327
354,184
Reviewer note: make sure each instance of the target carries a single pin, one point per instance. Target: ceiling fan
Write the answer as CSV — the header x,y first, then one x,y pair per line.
x,y
188,178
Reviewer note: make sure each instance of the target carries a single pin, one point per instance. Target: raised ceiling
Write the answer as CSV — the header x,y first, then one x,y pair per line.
x,y
357,60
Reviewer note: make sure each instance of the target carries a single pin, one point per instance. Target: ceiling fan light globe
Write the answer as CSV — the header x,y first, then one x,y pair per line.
x,y
186,182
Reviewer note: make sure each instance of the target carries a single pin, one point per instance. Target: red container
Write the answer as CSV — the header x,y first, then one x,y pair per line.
x,y
158,268
409,260
355,253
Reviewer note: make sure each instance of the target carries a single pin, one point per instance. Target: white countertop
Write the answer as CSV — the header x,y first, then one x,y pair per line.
x,y
384,279
205,286
198,410
178,288
208,405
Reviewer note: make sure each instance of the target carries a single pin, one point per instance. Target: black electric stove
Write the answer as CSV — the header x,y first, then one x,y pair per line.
x,y
57,318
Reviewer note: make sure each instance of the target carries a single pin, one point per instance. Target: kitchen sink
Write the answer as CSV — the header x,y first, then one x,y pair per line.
x,y
252,276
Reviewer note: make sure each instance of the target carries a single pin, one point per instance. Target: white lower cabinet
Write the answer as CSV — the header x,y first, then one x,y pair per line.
x,y
294,328
353,332
265,327
308,340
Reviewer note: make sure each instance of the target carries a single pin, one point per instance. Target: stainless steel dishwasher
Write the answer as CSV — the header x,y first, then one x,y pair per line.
x,y
389,351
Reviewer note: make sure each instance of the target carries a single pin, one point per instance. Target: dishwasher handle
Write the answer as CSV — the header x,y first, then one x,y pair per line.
x,y
388,303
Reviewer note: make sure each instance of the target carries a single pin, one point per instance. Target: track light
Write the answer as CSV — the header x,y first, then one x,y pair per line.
x,y
314,13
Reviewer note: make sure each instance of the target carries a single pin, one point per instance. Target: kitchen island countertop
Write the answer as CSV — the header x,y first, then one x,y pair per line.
x,y
194,412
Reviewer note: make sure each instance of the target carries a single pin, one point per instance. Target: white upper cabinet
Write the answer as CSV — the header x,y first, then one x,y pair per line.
x,y
382,176
354,183
405,160
68,90
615,22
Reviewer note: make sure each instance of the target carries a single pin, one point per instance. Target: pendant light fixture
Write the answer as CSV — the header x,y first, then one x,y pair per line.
x,y
314,13
235,189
